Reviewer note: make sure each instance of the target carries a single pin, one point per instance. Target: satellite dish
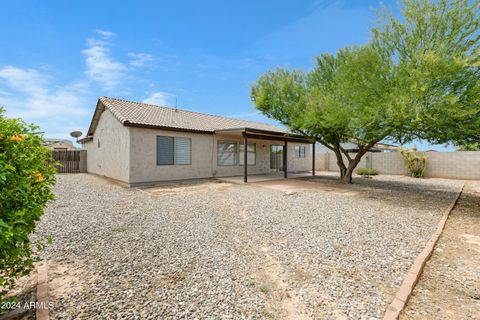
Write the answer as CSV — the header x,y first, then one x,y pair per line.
x,y
76,134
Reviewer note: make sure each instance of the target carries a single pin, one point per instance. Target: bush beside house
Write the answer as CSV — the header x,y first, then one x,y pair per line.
x,y
26,179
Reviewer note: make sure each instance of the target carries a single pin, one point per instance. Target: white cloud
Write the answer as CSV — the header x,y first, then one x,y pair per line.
x,y
25,80
30,94
159,98
101,67
140,59
36,96
105,34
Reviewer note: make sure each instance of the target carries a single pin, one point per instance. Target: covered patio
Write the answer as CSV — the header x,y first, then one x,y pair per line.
x,y
265,177
258,134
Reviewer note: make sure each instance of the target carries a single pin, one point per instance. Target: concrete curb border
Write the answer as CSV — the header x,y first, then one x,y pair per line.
x,y
42,292
405,291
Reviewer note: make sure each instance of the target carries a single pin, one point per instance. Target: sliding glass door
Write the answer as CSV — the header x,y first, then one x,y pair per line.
x,y
276,158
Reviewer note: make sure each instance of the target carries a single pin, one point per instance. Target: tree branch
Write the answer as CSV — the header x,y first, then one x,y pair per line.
x,y
345,153
317,139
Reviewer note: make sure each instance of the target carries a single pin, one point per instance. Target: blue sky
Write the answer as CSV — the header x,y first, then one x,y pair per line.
x,y
58,57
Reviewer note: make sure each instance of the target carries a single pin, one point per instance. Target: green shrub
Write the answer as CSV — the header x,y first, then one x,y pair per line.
x,y
26,177
367,171
415,162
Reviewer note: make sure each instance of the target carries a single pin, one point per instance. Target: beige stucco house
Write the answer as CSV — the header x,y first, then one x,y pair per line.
x,y
138,143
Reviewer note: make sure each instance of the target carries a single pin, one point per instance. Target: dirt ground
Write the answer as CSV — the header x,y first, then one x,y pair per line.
x,y
24,294
450,285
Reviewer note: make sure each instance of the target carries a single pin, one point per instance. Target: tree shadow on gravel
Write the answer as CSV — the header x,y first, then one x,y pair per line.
x,y
400,188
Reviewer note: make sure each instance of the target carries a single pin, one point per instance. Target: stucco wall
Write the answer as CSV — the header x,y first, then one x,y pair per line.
x,y
262,160
321,161
143,157
143,165
111,159
262,165
295,164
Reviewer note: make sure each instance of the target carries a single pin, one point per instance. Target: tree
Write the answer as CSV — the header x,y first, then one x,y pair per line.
x,y
416,79
346,96
474,146
26,178
437,54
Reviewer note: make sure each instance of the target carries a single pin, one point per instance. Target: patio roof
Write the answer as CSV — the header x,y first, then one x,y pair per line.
x,y
261,134
253,133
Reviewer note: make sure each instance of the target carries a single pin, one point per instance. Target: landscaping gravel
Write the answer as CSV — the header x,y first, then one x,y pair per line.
x,y
219,250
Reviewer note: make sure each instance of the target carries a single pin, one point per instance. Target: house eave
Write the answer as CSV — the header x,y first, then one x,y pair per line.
x,y
85,139
159,127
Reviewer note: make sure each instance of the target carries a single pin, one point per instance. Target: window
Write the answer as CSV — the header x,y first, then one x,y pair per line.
x,y
300,151
226,153
173,150
165,152
183,151
251,154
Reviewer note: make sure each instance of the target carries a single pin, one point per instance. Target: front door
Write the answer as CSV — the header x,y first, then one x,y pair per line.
x,y
276,158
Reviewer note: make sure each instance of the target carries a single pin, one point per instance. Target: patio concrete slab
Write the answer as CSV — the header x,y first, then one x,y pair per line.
x,y
297,185
264,177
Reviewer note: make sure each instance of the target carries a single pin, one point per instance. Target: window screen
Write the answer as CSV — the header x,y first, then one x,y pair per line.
x,y
174,150
300,151
251,154
183,150
226,153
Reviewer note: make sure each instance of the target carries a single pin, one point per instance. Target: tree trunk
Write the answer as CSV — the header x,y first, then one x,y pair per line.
x,y
347,178
346,172
352,164
341,165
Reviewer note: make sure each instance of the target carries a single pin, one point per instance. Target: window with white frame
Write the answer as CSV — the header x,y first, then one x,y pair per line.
x,y
226,153
300,151
174,150
251,154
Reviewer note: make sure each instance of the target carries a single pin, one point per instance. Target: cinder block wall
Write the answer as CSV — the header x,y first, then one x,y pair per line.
x,y
452,165
388,162
456,165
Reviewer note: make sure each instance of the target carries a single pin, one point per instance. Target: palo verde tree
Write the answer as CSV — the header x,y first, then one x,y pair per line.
x,y
469,146
399,87
437,55
347,96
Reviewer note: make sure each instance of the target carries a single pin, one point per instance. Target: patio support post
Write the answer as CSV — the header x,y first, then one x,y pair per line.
x,y
313,158
245,142
285,159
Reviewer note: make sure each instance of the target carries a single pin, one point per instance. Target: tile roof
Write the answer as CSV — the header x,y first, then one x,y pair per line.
x,y
142,114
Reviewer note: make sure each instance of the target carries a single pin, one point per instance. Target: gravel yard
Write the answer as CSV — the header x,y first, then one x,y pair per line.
x,y
220,250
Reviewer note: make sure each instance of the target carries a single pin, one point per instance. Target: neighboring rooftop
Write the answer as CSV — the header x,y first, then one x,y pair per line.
x,y
59,144
131,113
